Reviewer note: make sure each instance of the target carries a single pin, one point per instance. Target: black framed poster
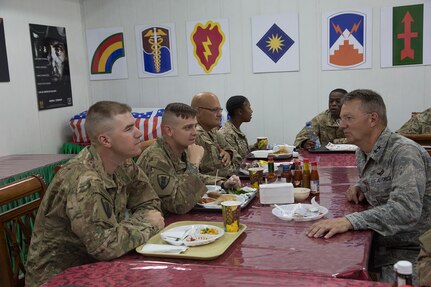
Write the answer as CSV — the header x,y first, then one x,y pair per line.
x,y
4,68
51,66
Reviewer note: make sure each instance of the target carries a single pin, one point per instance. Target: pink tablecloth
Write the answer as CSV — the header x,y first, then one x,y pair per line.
x,y
270,248
136,273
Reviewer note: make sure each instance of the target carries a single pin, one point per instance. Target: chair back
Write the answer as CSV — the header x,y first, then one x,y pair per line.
x,y
423,139
16,226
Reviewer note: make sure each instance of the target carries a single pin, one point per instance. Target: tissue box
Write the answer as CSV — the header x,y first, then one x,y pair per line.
x,y
276,193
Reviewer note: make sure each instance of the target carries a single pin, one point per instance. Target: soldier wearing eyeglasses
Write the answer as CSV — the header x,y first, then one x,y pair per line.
x,y
394,179
219,155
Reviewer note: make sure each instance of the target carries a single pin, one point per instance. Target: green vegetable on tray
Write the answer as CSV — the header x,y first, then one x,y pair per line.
x,y
237,191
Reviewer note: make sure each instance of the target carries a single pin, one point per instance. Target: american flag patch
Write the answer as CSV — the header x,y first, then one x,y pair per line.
x,y
149,123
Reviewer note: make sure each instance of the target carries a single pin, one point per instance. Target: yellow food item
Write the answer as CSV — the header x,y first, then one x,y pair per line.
x,y
281,150
209,230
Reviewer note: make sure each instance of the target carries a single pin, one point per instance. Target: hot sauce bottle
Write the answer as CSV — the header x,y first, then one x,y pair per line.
x,y
297,175
286,174
306,173
271,176
314,179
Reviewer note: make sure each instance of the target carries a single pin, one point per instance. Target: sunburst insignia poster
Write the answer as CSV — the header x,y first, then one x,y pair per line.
x,y
275,42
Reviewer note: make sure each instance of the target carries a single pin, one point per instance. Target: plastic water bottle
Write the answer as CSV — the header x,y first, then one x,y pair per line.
x,y
312,135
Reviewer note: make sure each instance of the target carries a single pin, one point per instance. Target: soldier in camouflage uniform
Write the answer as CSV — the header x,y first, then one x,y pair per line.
x,y
325,124
424,260
419,124
82,217
172,163
395,179
219,154
239,111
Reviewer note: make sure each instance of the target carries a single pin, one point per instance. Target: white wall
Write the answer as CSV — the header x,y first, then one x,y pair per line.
x,y
25,129
282,102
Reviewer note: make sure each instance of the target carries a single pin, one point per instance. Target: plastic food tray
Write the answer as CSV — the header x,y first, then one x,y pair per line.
x,y
203,252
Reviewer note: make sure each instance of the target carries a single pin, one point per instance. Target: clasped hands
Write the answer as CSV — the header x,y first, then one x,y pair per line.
x,y
329,227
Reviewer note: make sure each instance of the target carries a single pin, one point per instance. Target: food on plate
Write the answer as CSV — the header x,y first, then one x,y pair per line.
x,y
208,230
225,197
206,200
281,150
213,194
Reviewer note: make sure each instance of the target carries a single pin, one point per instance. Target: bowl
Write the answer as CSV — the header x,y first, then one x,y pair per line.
x,y
301,193
261,153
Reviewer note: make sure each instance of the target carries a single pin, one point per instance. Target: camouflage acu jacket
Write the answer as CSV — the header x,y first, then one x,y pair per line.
x,y
396,181
237,139
326,129
82,216
420,124
211,161
178,183
424,260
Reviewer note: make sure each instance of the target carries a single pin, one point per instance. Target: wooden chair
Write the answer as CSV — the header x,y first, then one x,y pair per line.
x,y
16,227
422,139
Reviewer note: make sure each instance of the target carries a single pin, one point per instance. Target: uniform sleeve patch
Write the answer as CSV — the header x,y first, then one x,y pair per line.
x,y
163,180
107,207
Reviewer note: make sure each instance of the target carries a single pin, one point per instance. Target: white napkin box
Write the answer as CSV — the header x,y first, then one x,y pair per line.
x,y
276,193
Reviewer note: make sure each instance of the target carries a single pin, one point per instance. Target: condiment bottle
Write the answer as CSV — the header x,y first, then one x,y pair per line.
x,y
314,179
286,173
297,175
271,176
403,272
306,173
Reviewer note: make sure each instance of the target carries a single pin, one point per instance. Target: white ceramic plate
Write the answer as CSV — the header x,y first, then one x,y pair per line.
x,y
190,235
304,215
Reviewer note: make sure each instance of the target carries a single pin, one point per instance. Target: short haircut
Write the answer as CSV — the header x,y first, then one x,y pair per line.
x,y
234,103
339,90
371,102
99,116
179,110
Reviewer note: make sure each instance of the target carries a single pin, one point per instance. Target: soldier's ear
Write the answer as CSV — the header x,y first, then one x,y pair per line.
x,y
169,131
104,140
374,119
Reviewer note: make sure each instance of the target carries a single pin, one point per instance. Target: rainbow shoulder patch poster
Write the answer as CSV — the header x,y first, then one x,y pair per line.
x,y
106,53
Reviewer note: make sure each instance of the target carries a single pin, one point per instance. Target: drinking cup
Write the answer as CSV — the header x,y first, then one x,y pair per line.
x,y
231,210
262,143
256,175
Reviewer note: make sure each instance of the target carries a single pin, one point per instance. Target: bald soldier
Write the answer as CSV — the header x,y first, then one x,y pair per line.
x,y
419,124
394,178
219,154
325,124
82,217
172,163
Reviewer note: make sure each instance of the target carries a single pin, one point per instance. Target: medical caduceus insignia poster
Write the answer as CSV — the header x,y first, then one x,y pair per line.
x,y
208,47
156,49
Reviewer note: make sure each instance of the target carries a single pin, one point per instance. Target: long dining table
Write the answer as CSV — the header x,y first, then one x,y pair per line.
x,y
271,251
